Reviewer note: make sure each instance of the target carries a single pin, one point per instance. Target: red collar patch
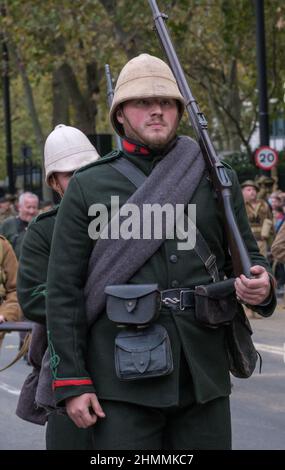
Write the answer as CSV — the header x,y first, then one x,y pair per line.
x,y
135,149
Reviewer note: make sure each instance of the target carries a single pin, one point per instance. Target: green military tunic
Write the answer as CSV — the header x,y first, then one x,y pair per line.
x,y
82,359
31,290
32,273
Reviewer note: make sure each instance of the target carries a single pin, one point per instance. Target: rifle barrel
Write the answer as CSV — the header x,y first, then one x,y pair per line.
x,y
219,176
110,97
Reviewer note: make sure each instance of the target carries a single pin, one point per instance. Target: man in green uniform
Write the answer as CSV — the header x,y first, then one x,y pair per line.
x,y
66,149
189,407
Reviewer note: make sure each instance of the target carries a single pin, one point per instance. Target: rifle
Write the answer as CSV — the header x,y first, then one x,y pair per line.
x,y
9,326
110,97
220,180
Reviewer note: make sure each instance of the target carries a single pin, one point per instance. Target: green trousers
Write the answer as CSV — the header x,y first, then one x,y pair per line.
x,y
187,426
63,434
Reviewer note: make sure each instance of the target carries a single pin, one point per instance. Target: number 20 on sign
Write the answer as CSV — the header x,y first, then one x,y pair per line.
x,y
266,158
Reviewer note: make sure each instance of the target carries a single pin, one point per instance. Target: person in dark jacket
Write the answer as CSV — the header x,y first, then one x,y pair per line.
x,y
66,150
187,407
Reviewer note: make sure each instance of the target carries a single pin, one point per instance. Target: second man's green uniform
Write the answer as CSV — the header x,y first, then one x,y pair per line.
x,y
31,289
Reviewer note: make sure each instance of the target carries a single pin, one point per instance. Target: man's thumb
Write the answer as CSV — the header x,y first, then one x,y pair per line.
x,y
257,269
97,407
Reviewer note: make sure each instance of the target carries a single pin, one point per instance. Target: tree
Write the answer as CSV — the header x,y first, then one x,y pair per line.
x,y
64,47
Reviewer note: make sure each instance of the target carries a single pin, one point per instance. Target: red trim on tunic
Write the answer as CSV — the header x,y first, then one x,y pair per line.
x,y
68,382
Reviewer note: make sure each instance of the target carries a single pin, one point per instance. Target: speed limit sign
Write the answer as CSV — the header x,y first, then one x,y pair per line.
x,y
266,157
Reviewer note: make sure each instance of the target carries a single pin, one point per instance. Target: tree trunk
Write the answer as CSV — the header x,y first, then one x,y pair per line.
x,y
15,53
60,101
82,117
93,90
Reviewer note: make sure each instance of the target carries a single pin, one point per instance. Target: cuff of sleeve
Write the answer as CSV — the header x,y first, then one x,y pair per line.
x,y
67,391
70,382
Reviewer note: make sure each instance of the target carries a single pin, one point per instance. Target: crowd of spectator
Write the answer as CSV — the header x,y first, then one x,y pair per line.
x,y
266,213
15,215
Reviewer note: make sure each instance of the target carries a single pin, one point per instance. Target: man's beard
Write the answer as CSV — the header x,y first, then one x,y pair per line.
x,y
159,144
155,142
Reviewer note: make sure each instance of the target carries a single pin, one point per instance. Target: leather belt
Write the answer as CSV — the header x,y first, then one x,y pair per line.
x,y
177,298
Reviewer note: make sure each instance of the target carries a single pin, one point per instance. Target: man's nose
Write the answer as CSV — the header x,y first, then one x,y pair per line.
x,y
156,108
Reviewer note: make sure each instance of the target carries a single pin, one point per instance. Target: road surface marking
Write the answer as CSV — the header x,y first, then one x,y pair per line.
x,y
271,349
268,348
9,389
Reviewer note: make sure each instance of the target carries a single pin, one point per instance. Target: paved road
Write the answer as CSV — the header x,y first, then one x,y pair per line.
x,y
258,404
14,432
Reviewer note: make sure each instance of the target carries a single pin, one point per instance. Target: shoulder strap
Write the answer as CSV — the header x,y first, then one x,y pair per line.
x,y
137,177
129,170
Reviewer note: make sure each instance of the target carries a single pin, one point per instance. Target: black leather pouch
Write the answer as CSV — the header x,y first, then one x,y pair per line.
x,y
143,353
240,347
132,304
215,304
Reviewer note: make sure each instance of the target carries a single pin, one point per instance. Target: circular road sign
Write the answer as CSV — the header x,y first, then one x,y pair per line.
x,y
265,157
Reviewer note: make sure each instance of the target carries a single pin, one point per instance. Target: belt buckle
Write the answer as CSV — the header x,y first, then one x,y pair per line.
x,y
172,301
181,300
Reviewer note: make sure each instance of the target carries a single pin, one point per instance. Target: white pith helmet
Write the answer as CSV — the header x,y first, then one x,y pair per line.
x,y
145,76
67,149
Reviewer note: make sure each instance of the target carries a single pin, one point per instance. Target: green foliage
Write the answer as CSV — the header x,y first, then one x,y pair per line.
x,y
215,41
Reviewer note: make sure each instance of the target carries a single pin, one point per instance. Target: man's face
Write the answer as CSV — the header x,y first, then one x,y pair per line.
x,y
28,209
63,180
249,193
275,202
150,121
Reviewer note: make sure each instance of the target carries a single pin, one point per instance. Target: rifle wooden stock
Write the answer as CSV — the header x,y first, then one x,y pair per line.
x,y
218,174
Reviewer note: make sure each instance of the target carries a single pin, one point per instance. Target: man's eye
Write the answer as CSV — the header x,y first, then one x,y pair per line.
x,y
166,103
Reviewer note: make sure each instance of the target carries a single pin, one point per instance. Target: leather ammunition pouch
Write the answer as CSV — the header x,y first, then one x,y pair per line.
x,y
144,353
242,354
142,349
215,304
132,304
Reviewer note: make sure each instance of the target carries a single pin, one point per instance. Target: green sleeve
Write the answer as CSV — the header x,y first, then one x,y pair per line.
x,y
32,274
66,319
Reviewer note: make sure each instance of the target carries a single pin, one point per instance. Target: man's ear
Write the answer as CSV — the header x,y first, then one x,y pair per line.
x,y
54,183
119,115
